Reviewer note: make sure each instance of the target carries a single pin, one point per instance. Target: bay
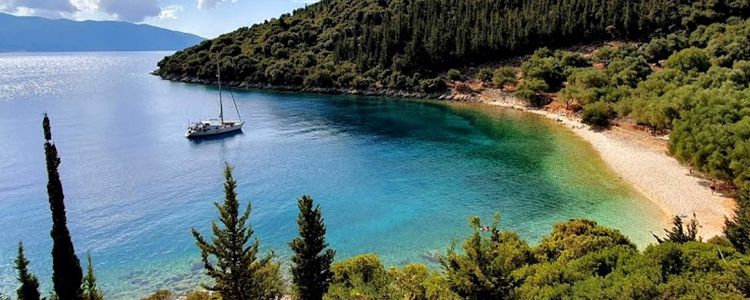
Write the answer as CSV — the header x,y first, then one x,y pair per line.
x,y
393,177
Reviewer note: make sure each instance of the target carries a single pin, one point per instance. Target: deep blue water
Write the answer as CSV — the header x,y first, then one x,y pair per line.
x,y
397,178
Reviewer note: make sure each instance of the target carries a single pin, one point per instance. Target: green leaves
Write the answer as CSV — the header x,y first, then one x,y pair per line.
x,y
230,259
29,284
311,273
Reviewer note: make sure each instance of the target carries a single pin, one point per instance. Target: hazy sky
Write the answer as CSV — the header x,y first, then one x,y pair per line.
x,y
207,18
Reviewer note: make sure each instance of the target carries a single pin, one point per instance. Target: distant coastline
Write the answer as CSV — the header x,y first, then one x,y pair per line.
x,y
35,34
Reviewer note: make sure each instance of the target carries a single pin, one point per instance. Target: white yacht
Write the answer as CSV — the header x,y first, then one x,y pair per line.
x,y
216,126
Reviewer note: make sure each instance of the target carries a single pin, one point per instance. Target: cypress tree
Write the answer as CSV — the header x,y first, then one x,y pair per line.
x,y
66,269
29,289
90,290
235,267
311,271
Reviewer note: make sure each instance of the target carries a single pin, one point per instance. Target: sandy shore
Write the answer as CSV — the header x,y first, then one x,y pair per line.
x,y
643,162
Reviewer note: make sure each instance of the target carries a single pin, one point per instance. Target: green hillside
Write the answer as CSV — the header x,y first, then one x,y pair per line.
x,y
402,44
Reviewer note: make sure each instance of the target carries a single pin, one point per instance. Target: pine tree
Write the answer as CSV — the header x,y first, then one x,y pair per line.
x,y
66,269
230,259
29,289
90,290
680,233
311,271
737,229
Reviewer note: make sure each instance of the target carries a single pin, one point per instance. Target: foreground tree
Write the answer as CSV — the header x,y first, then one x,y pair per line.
x,y
680,233
311,273
90,290
29,289
66,268
737,229
483,269
230,259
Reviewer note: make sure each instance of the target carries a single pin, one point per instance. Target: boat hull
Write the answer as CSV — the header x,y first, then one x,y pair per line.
x,y
215,130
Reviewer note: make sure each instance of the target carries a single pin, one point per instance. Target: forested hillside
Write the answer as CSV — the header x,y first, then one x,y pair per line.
x,y
402,44
685,68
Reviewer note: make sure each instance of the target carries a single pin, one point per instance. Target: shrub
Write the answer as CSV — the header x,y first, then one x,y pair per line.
x,y
547,69
434,85
691,59
597,114
160,295
485,75
503,76
318,78
531,90
454,74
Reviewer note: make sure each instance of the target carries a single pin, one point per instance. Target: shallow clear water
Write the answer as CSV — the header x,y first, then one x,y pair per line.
x,y
396,178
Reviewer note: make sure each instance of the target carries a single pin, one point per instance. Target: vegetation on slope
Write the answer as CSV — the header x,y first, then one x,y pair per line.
x,y
693,85
403,45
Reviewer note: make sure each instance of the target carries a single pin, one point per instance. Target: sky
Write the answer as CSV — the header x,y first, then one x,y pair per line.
x,y
207,18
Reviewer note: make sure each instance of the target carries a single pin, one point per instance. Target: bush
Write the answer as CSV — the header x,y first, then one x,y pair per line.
x,y
628,71
485,75
691,59
503,76
318,78
454,74
531,90
160,295
597,114
547,69
434,85
360,277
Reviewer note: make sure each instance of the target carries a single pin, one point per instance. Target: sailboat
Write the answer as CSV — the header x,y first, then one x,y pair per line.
x,y
218,126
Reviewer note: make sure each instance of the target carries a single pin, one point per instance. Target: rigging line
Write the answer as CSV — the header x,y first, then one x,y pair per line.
x,y
235,104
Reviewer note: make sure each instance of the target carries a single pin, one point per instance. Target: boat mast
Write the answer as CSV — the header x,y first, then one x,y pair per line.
x,y
218,76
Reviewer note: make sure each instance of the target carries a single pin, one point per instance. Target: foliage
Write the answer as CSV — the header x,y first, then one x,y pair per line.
x,y
418,282
485,75
434,85
360,277
430,36
628,70
691,59
90,290
531,90
575,238
483,269
312,258
29,288
545,67
235,269
200,295
714,134
680,233
364,277
66,269
503,76
737,229
160,295
597,114
454,74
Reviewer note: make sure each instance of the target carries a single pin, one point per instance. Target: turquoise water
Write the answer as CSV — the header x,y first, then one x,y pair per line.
x,y
396,178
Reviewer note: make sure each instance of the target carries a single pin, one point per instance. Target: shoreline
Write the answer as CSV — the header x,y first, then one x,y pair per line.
x,y
641,160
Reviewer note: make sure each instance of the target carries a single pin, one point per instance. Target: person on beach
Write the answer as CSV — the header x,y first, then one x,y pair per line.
x,y
713,187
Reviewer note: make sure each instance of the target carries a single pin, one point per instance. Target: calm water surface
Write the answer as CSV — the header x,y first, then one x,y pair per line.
x,y
395,178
